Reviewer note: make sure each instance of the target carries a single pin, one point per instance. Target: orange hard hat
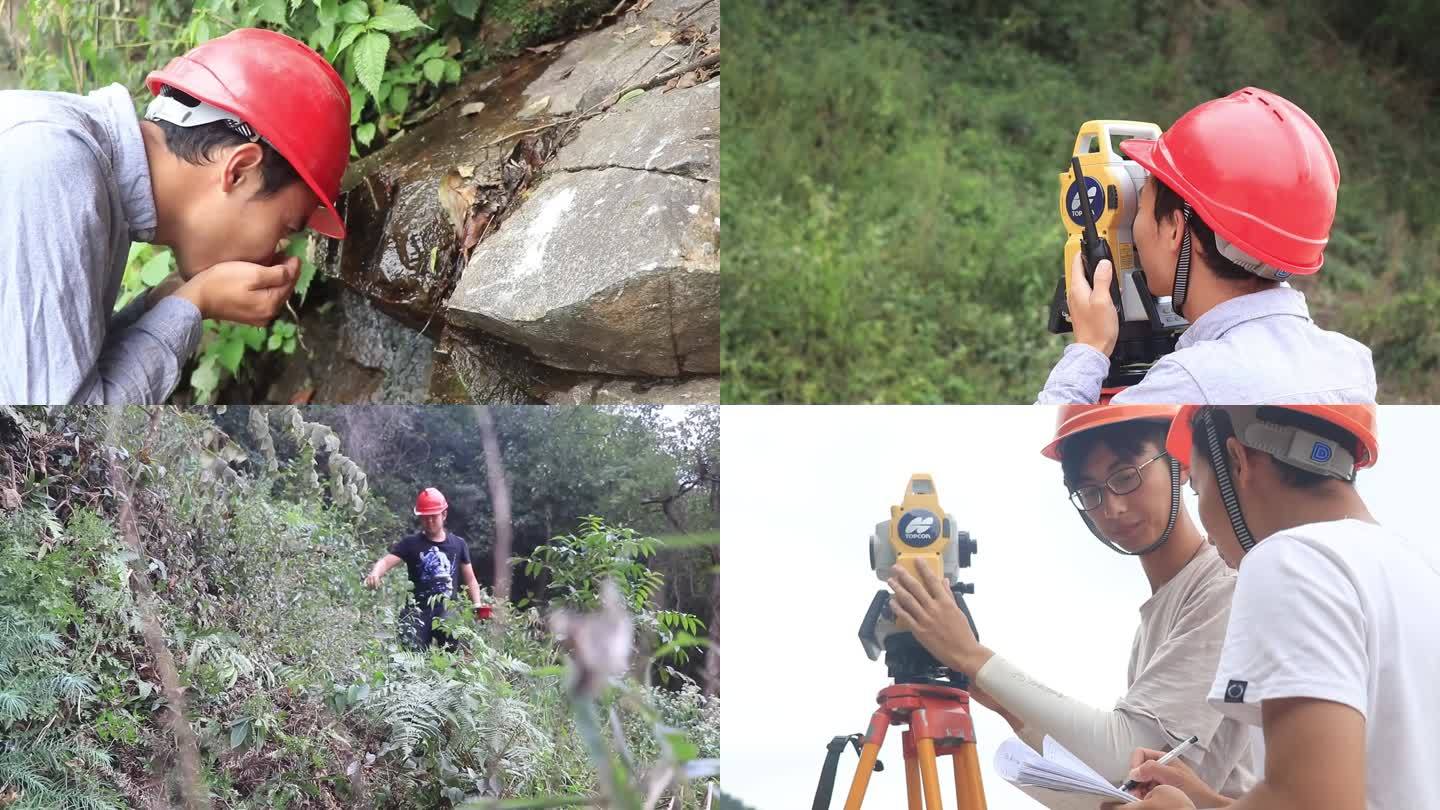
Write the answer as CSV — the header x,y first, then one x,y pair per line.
x,y
1357,420
430,502
1073,419
283,90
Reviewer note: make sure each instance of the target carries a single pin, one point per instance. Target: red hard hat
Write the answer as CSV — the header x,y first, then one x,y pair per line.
x,y
1357,420
1072,419
430,502
1257,170
287,93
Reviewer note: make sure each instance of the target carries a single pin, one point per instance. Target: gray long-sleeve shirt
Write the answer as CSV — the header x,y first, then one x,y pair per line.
x,y
74,193
1256,349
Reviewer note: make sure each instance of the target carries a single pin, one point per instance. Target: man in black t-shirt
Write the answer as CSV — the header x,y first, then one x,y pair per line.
x,y
436,561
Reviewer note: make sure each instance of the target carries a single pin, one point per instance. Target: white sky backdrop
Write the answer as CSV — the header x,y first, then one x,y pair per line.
x,y
804,487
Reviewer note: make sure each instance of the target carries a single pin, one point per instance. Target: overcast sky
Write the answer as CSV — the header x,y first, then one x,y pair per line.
x,y
804,487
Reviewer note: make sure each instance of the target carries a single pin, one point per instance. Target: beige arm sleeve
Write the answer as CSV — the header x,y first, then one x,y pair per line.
x,y
1103,740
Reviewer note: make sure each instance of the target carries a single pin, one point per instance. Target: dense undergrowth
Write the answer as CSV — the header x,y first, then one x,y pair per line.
x,y
242,566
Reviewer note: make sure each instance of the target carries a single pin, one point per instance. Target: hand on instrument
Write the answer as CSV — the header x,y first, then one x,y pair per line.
x,y
1092,310
926,607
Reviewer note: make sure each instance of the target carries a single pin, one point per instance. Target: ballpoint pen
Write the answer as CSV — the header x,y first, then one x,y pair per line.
x,y
1165,760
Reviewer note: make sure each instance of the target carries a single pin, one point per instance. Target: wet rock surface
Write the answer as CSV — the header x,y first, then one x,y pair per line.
x,y
403,248
573,263
355,353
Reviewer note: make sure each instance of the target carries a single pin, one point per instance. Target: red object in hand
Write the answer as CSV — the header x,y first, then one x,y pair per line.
x,y
482,611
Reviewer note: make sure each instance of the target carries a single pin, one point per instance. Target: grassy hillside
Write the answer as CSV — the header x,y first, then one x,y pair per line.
x,y
891,181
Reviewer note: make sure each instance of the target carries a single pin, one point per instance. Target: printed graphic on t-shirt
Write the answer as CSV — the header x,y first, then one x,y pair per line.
x,y
435,572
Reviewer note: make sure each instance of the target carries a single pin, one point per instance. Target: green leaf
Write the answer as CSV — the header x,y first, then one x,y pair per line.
x,y
289,347
307,274
156,270
639,92
202,30
683,748
274,342
327,12
432,51
365,133
271,11
400,99
238,733
396,19
452,71
205,379
434,70
323,36
230,353
346,37
368,56
253,336
465,8
357,103
355,11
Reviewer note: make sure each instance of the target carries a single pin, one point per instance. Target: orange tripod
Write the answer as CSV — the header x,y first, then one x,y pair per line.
x,y
939,725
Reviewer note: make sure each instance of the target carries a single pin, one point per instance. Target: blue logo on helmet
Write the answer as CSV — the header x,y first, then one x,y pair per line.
x,y
1320,452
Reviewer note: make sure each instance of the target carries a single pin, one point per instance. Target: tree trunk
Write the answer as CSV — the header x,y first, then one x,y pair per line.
x,y
192,786
500,497
712,653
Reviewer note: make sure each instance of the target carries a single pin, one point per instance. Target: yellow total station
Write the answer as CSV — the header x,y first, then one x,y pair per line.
x,y
1112,187
919,527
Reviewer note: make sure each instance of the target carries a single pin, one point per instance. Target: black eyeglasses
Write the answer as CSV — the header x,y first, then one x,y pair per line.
x,y
1121,482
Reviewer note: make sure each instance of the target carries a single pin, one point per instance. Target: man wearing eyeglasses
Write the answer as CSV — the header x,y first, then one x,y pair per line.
x,y
1126,489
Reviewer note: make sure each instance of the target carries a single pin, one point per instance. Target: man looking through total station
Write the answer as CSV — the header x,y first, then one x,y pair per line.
x,y
1241,196
1126,489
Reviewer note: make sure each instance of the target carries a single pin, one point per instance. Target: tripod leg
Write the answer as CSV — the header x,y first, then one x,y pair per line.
x,y
929,774
912,775
868,755
874,738
969,792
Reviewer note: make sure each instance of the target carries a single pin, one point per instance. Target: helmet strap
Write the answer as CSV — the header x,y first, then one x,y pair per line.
x,y
1169,526
166,107
1182,265
1215,447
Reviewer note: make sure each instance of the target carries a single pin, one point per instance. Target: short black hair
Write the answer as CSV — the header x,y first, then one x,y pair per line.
x,y
1290,475
197,145
1127,440
1167,203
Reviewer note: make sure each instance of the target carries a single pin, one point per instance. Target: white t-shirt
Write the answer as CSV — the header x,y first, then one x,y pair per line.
x,y
1349,612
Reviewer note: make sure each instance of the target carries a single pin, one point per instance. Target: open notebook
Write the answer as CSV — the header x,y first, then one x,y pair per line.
x,y
1057,769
